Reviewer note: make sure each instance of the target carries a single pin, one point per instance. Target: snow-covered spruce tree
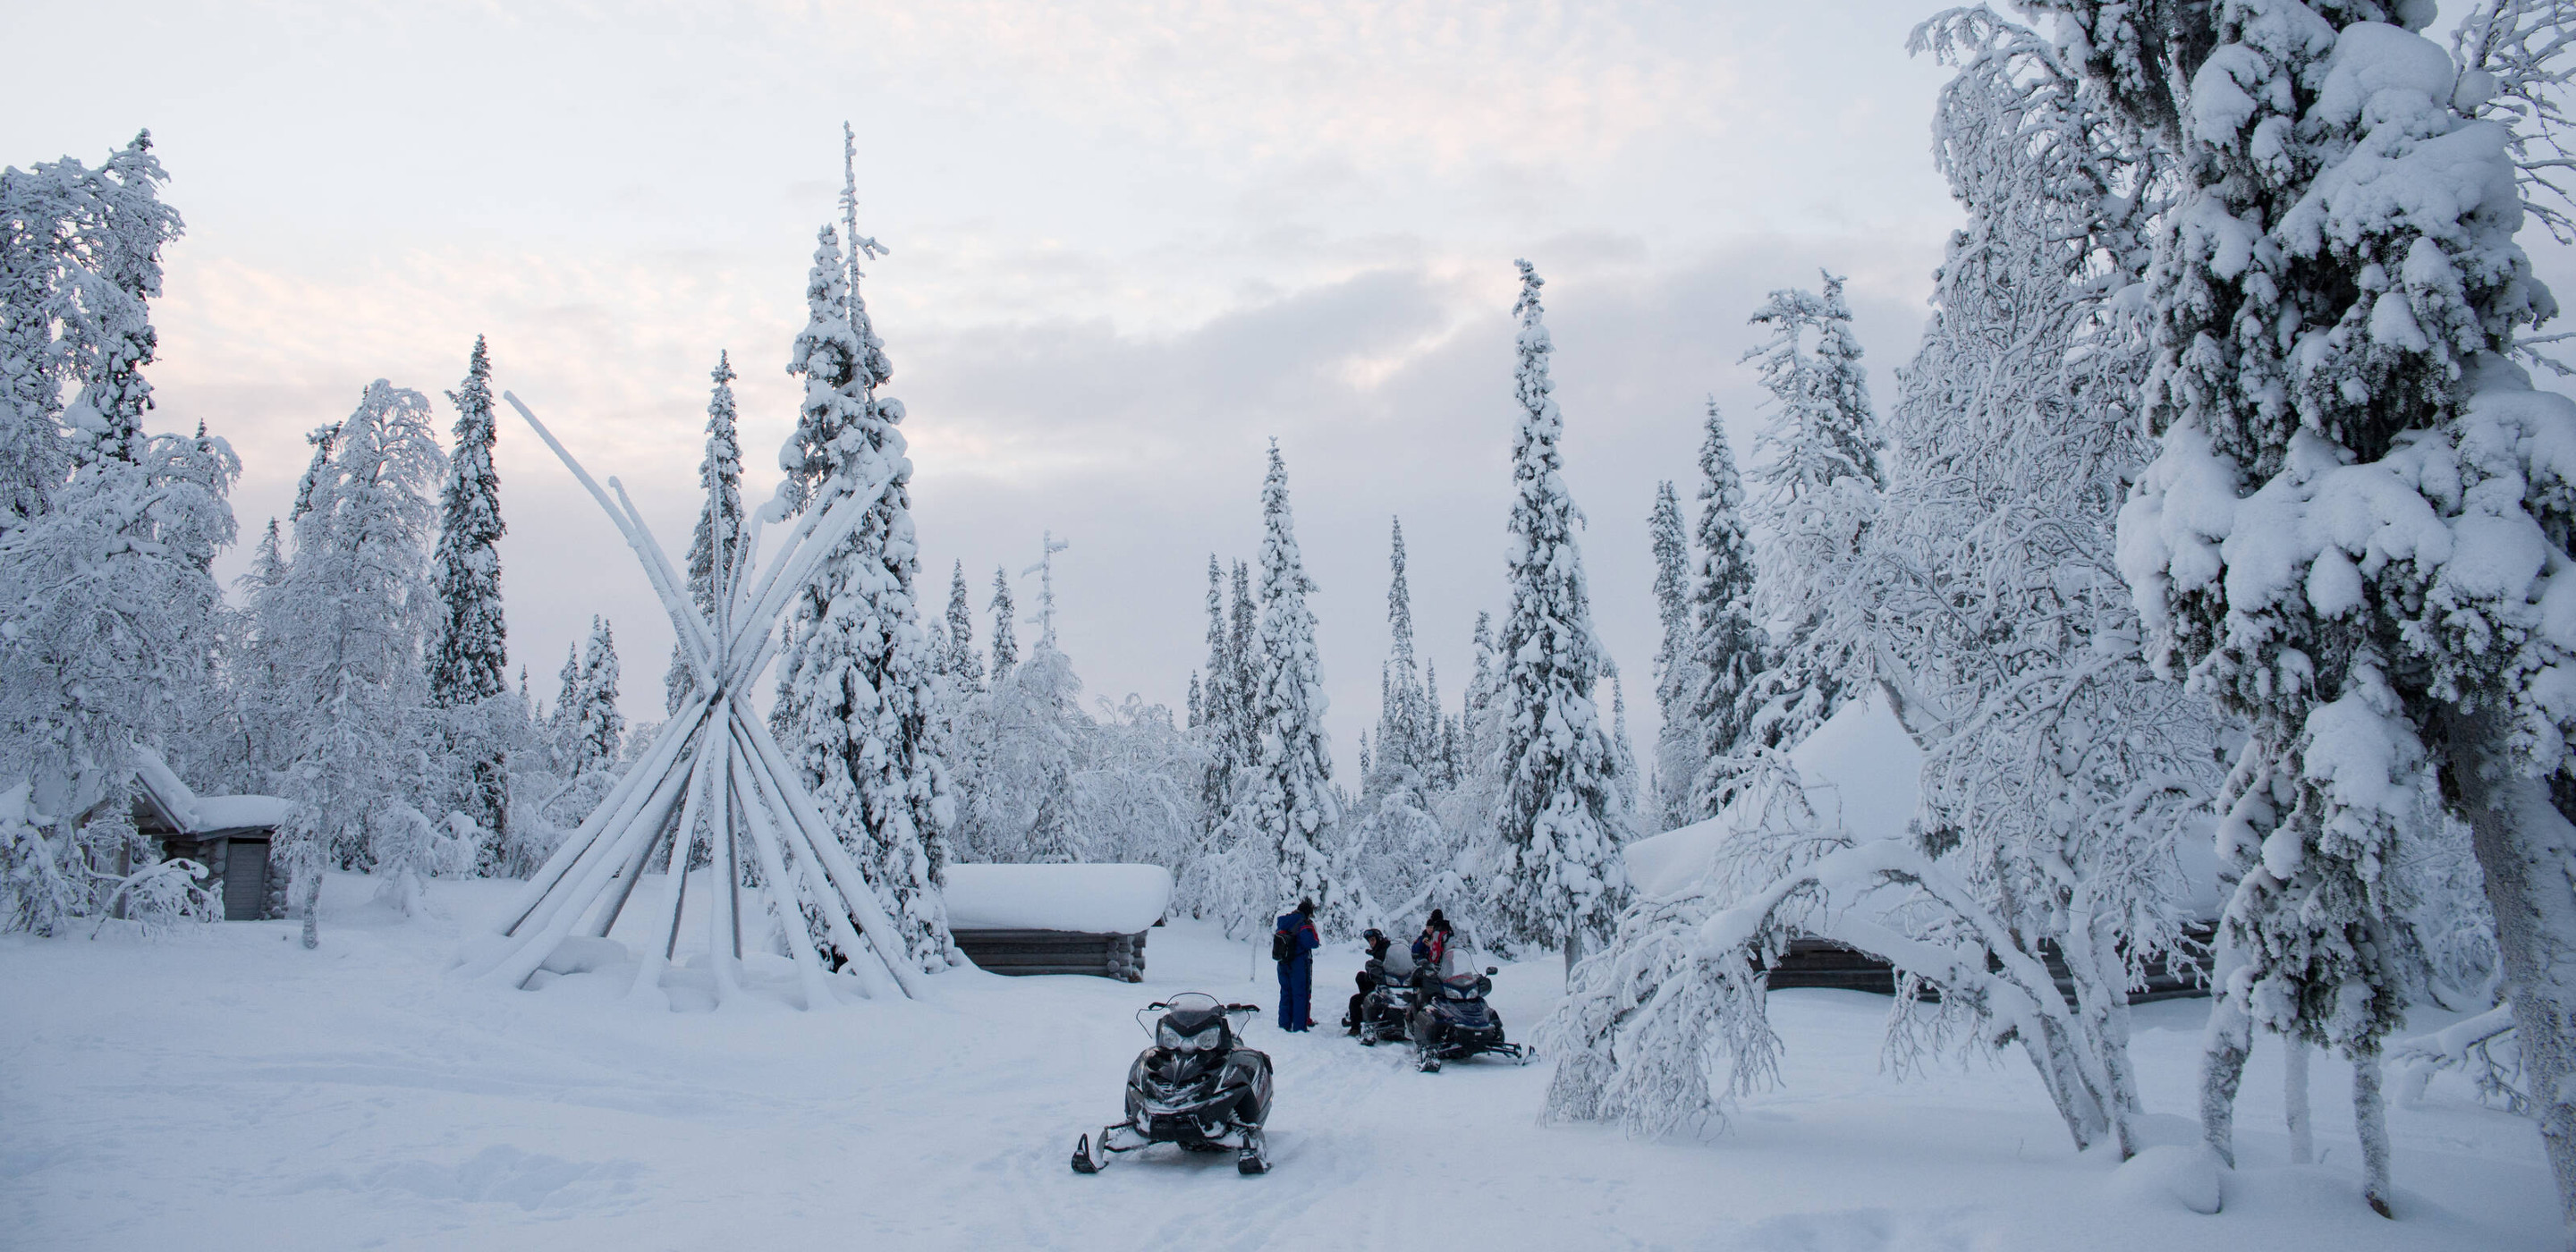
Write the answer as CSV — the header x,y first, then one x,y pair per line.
x,y
1623,753
856,690
1818,482
1395,859
1677,750
1006,639
717,540
1442,770
353,616
1729,651
598,728
323,438
469,639
1557,874
1404,717
1219,719
1293,807
560,721
963,665
962,709
2356,518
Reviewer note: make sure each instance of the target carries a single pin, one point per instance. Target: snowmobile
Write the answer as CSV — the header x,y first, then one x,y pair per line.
x,y
1388,1006
1197,1087
1451,1021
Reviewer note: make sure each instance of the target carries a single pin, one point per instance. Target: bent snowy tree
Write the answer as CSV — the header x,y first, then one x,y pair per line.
x,y
714,778
2356,537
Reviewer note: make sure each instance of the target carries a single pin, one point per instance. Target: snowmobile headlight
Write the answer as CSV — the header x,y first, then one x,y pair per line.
x,y
1203,1040
1166,1036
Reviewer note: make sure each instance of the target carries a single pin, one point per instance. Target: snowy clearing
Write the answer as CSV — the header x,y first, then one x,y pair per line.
x,y
228,1089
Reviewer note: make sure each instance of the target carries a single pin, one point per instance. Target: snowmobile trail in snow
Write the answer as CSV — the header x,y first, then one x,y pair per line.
x,y
229,1089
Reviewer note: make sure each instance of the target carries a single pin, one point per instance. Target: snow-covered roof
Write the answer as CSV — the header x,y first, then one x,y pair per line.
x,y
164,790
1861,772
1097,899
238,812
191,813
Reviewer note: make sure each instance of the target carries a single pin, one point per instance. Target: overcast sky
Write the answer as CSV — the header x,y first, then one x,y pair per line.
x,y
1131,243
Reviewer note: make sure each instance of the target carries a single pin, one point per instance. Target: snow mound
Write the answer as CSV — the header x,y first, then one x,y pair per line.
x,y
1099,899
1860,770
2170,1174
581,954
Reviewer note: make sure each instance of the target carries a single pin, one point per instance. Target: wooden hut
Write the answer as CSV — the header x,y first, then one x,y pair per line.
x,y
1860,774
1057,919
229,835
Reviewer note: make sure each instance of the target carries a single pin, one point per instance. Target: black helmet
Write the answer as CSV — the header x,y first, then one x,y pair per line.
x,y
1372,933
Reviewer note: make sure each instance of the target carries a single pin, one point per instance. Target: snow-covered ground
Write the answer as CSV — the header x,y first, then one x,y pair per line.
x,y
228,1089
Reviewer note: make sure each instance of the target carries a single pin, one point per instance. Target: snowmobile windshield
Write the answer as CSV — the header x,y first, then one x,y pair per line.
x,y
1192,1022
1460,961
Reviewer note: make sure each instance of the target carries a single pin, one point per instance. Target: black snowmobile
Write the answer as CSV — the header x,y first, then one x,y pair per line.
x,y
1388,1006
1197,1087
1451,1021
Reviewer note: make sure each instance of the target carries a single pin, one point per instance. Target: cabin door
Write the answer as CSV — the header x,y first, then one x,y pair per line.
x,y
245,881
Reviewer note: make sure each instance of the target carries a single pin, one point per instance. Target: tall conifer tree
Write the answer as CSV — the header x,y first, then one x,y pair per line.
x,y
1403,715
713,545
856,691
1559,826
469,641
1728,651
1677,753
598,728
963,664
1819,488
1219,708
1294,807
1006,638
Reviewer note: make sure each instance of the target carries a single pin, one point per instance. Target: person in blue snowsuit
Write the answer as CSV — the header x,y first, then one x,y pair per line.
x,y
1296,939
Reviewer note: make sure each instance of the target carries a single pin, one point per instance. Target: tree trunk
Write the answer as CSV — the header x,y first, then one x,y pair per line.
x,y
2294,1100
2223,1045
1573,950
2370,1118
2519,829
312,906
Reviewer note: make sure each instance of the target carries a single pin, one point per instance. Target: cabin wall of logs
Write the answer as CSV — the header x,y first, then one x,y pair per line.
x,y
1813,962
1018,952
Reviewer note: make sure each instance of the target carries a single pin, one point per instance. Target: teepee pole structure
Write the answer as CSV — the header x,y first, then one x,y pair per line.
x,y
714,778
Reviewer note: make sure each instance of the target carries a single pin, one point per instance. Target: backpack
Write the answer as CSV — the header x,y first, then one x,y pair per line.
x,y
1283,945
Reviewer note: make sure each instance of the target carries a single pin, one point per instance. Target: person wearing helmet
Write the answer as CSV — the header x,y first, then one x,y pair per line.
x,y
1378,946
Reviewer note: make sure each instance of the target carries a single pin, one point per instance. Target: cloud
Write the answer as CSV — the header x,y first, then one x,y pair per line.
x,y
1132,242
